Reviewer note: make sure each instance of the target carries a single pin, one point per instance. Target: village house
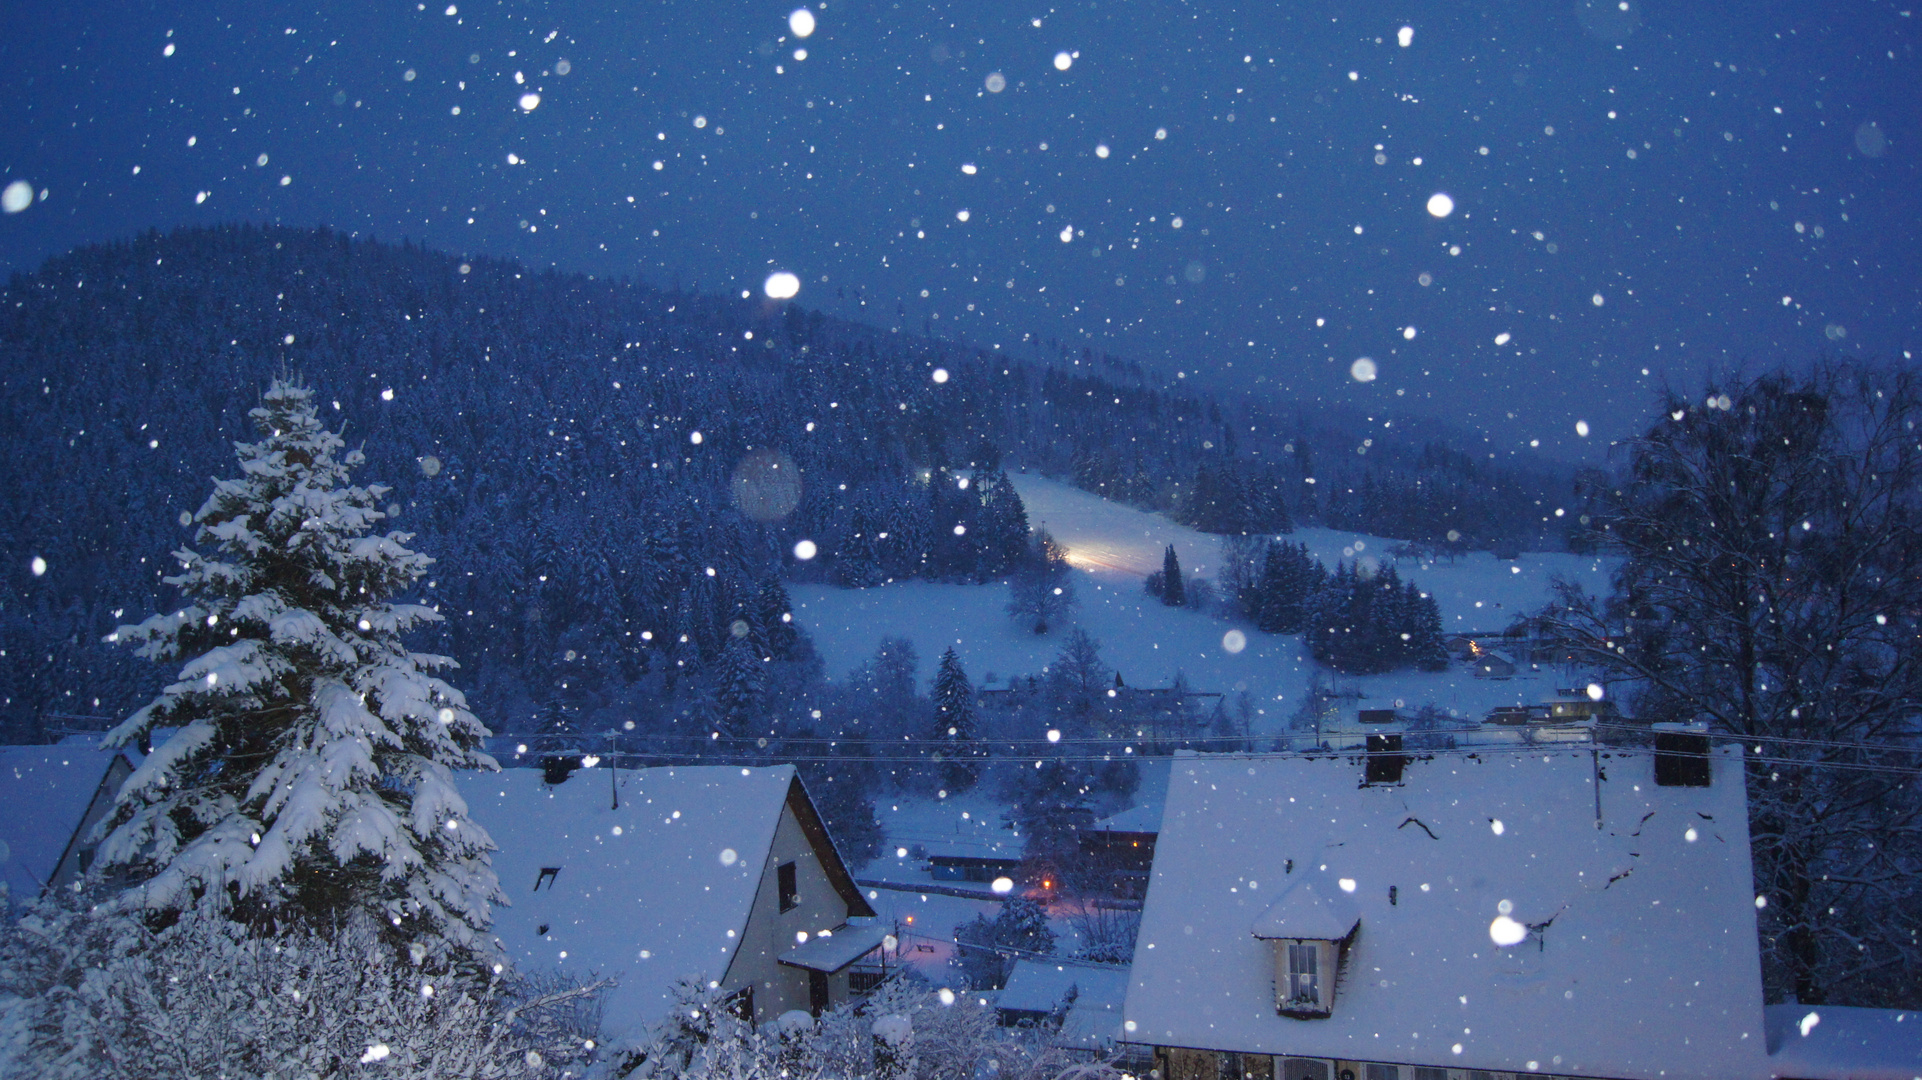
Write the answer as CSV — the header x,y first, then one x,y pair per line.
x,y
652,876
1572,912
1077,1003
51,797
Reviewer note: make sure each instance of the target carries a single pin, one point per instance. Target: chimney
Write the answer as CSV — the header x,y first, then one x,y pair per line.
x,y
1681,755
1385,759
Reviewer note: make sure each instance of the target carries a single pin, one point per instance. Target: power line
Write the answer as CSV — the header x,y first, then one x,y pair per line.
x,y
1494,750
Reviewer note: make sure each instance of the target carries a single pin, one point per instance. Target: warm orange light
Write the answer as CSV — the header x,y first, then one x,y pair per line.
x,y
1046,884
910,920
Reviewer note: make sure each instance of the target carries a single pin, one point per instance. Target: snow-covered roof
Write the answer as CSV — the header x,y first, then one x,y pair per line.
x,y
1040,986
1647,967
830,951
654,891
44,794
1135,819
1831,1042
1312,907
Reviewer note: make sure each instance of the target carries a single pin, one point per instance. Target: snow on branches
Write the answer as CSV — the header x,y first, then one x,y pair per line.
x,y
96,994
307,777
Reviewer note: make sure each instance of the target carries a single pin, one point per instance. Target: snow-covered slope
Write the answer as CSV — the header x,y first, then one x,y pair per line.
x,y
1113,547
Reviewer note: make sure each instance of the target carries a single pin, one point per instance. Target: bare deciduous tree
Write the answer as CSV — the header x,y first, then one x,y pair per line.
x,y
1772,587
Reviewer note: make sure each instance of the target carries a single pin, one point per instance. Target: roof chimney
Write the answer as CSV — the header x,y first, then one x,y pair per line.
x,y
1385,759
1681,755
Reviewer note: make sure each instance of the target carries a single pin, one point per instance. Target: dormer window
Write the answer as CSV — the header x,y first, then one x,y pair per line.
x,y
1308,928
1305,977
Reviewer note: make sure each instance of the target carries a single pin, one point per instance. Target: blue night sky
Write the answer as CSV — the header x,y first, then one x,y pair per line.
x,y
1733,182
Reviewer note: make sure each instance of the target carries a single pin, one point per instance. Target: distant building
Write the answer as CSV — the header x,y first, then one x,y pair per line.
x,y
1078,1003
1474,917
1124,845
51,797
1493,664
972,866
722,874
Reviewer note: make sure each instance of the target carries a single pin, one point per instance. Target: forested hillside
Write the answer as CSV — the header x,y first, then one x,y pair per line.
x,y
613,477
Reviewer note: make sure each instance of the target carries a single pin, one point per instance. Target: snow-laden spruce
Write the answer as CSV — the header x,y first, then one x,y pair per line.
x,y
308,778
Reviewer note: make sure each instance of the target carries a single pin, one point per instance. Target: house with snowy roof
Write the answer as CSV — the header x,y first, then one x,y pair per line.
x,y
1460,916
652,876
51,797
1081,1002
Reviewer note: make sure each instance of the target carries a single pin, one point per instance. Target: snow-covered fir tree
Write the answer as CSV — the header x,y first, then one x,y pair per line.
x,y
1173,593
956,728
307,779
741,687
1289,577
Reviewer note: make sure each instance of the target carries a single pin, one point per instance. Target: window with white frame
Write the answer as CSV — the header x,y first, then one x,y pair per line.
x,y
1304,974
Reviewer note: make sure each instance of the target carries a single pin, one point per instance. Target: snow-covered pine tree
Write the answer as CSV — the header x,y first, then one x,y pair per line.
x,y
1172,592
1328,617
1003,522
740,688
309,776
1425,648
776,614
955,725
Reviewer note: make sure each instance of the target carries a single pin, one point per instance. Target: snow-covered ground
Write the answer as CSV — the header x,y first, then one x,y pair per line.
x,y
1113,547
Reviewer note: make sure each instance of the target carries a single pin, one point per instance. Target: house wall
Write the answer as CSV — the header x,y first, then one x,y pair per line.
x,y
1181,1063
770,931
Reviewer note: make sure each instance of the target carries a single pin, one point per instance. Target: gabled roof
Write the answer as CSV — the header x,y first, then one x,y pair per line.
x,y
649,893
1642,961
1312,907
44,794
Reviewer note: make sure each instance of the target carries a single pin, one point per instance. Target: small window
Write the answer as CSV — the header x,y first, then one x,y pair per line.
x,y
789,882
1424,1072
1383,1072
1304,978
547,876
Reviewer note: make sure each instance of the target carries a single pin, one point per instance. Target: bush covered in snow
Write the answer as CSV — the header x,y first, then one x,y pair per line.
x,y
91,994
905,1029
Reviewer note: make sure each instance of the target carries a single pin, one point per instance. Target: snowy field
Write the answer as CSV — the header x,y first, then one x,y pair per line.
x,y
1114,547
